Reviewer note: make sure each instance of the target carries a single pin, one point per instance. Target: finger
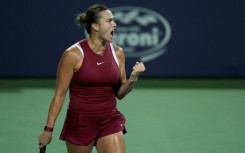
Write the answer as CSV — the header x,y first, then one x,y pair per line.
x,y
141,63
40,145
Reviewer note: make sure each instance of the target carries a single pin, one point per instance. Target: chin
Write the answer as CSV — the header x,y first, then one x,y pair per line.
x,y
109,40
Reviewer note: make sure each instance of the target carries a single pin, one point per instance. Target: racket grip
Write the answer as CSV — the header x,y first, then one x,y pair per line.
x,y
43,150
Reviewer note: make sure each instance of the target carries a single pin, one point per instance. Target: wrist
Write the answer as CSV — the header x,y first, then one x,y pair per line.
x,y
133,78
48,129
134,74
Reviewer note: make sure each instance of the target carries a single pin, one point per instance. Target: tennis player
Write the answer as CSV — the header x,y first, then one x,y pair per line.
x,y
93,69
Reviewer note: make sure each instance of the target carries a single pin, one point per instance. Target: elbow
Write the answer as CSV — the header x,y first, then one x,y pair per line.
x,y
120,97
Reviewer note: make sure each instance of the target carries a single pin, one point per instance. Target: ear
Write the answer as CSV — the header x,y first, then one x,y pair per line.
x,y
95,27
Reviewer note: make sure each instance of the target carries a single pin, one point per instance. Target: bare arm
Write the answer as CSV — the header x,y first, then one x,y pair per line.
x,y
127,85
64,75
66,68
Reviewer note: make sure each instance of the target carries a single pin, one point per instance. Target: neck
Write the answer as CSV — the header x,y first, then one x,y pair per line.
x,y
96,45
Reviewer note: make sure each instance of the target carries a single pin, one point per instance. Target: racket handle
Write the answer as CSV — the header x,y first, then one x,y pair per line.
x,y
43,150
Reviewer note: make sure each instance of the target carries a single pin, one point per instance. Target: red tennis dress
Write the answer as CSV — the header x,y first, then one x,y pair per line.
x,y
92,112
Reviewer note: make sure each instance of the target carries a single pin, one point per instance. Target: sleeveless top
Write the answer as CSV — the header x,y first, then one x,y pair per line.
x,y
91,88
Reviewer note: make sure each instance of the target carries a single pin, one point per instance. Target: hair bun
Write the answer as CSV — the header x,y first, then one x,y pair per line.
x,y
81,18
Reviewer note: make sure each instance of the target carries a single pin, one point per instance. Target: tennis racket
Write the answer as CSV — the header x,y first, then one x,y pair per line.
x,y
43,150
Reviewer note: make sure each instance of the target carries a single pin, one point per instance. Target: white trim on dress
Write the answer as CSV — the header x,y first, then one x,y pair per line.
x,y
80,48
114,54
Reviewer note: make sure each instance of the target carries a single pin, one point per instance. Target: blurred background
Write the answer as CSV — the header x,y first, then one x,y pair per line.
x,y
187,38
190,99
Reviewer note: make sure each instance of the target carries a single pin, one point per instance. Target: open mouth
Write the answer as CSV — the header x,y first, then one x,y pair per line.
x,y
112,33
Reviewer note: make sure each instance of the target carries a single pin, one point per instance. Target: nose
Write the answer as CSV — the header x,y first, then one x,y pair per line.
x,y
115,25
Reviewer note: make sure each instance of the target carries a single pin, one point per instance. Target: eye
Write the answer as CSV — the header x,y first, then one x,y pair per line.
x,y
110,20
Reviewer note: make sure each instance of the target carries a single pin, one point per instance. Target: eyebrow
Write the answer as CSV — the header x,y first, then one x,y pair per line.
x,y
113,18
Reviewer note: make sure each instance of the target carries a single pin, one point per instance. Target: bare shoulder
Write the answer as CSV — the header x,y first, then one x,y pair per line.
x,y
119,51
72,53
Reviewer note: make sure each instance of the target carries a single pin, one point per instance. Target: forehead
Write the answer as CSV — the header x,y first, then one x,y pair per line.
x,y
106,14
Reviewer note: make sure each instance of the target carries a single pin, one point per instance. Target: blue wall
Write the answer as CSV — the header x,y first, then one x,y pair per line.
x,y
191,39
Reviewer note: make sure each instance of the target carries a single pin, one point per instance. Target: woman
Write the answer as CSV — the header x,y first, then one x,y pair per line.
x,y
94,71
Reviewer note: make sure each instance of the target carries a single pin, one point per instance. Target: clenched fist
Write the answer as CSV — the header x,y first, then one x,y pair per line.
x,y
138,68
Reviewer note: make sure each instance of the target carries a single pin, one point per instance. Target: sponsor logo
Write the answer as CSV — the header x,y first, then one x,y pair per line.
x,y
99,63
143,33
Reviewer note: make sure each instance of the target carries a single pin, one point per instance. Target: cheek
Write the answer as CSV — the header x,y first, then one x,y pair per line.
x,y
105,30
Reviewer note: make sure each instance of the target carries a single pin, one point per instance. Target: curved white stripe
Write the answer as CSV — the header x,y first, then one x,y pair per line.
x,y
114,54
80,48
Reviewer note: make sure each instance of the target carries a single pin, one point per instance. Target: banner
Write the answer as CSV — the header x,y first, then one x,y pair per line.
x,y
173,38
